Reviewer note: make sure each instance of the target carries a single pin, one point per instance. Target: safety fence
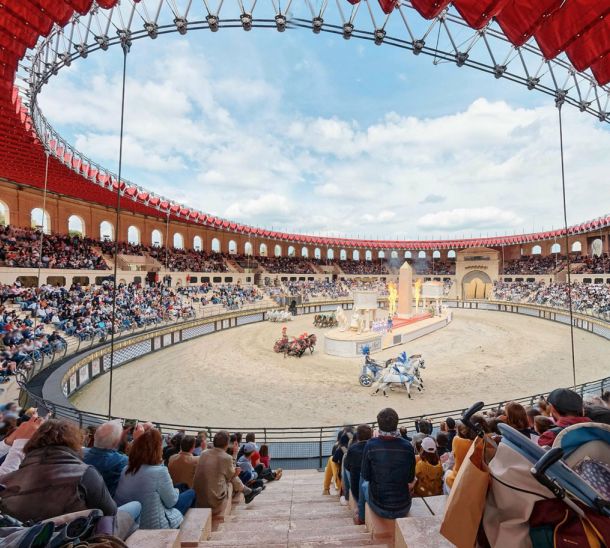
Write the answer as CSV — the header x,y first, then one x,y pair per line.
x,y
296,447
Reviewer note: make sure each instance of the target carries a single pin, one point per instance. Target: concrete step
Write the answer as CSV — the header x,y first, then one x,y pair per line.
x,y
346,539
416,532
333,543
153,538
305,512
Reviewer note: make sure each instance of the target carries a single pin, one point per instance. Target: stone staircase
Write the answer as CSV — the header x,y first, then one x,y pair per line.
x,y
232,265
293,513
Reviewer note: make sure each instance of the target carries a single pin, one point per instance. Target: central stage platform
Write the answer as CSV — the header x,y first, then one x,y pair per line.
x,y
349,344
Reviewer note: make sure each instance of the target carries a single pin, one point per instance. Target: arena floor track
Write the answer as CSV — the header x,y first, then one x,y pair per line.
x,y
233,379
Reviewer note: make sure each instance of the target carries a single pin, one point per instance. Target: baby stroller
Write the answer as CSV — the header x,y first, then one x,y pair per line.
x,y
559,497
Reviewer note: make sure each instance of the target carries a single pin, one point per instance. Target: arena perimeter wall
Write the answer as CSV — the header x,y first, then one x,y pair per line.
x,y
298,447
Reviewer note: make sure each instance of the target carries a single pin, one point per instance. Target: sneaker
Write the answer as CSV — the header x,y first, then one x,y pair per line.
x,y
357,519
250,497
342,501
326,492
278,474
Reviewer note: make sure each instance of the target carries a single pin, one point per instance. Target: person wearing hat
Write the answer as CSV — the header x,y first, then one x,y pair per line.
x,y
566,408
428,471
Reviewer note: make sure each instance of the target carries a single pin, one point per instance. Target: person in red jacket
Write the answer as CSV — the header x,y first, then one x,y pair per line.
x,y
567,409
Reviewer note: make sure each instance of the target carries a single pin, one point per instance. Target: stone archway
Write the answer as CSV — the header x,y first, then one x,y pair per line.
x,y
476,285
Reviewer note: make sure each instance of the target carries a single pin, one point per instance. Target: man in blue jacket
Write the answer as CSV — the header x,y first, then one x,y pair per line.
x,y
388,469
104,457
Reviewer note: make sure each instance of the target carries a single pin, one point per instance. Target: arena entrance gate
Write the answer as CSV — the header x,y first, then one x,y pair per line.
x,y
476,285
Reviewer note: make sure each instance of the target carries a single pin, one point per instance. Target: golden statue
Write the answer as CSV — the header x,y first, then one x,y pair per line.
x,y
417,290
392,298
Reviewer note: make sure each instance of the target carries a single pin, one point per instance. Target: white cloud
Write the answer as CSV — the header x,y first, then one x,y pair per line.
x,y
232,144
474,218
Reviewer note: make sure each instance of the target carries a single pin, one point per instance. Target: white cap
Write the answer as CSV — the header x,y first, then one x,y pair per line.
x,y
428,445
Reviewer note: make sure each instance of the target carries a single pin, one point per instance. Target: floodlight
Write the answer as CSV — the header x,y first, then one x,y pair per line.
x,y
280,22
379,36
348,28
317,24
418,46
246,21
212,22
460,58
181,25
152,29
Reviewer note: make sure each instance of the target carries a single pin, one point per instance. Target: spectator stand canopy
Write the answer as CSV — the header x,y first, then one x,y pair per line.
x,y
557,47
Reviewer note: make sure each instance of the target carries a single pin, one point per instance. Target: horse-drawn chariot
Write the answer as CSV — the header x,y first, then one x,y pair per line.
x,y
279,316
402,371
297,346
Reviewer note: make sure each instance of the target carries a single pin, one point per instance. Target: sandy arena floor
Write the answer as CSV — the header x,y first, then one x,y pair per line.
x,y
233,379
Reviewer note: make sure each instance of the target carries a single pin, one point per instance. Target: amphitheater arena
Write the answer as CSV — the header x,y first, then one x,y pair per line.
x,y
160,312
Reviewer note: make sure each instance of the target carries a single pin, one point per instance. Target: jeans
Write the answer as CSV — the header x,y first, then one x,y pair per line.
x,y
345,483
134,509
364,497
186,499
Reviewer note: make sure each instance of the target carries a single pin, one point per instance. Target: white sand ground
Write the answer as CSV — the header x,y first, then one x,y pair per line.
x,y
233,379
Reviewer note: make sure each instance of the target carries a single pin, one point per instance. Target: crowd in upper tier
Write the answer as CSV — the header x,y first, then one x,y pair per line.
x,y
20,247
586,298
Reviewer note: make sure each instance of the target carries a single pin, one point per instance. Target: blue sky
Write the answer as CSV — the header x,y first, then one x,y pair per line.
x,y
318,134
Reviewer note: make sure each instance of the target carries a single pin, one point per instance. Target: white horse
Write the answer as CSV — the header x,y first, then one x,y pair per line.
x,y
279,316
401,373
341,318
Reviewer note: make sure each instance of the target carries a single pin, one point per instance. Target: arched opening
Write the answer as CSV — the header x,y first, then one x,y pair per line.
x,y
262,250
536,250
76,226
356,255
178,241
317,253
394,255
556,248
232,247
451,254
248,249
277,251
476,285
368,255
156,238
330,253
291,251
215,245
576,247
304,252
343,255
197,243
40,220
421,255
106,231
133,235
5,218
408,255
381,254
436,254
597,247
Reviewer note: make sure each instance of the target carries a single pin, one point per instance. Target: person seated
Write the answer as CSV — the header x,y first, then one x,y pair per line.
x,y
215,471
53,480
265,459
148,482
566,408
516,416
183,465
428,471
352,466
332,472
542,424
104,455
388,469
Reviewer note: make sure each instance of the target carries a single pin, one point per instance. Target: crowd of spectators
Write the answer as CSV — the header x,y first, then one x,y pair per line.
x,y
535,264
228,295
426,267
363,268
86,312
586,298
20,248
182,260
591,265
323,289
288,265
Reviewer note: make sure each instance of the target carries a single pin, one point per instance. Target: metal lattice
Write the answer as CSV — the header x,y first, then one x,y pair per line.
x,y
250,318
445,39
197,331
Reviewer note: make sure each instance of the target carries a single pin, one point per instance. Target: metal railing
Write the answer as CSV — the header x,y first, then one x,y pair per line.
x,y
299,447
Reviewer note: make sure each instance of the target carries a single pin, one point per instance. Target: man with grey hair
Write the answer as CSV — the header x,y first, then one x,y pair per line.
x,y
104,455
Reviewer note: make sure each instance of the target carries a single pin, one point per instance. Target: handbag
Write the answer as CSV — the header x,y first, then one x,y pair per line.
x,y
466,501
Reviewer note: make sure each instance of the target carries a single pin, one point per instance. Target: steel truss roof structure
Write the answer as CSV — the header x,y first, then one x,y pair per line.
x,y
557,47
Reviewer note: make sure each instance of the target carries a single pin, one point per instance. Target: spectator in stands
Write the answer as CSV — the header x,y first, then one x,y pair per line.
x,y
52,479
428,471
542,424
215,472
516,416
201,442
172,447
332,472
352,466
11,447
442,444
388,469
182,466
460,446
147,481
566,409
104,456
